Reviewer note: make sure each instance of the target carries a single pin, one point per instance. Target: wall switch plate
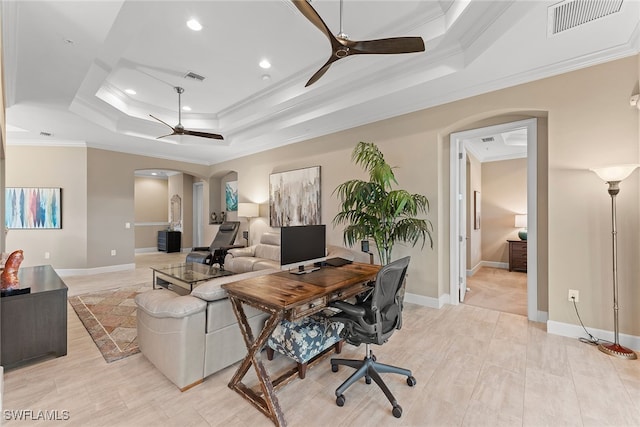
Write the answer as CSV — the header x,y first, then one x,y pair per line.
x,y
574,295
127,225
113,252
47,255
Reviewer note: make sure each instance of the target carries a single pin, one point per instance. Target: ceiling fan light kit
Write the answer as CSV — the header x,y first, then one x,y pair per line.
x,y
341,46
179,128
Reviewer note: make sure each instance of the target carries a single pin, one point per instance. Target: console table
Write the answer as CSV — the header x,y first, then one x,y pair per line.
x,y
518,255
34,324
286,296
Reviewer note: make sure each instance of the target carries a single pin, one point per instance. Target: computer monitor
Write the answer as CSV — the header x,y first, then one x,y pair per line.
x,y
302,245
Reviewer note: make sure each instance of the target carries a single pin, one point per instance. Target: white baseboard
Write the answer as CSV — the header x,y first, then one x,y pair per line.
x,y
145,250
494,264
87,271
576,331
427,301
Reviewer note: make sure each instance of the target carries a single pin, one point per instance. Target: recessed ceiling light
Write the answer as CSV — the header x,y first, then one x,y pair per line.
x,y
186,108
154,173
194,24
265,64
130,91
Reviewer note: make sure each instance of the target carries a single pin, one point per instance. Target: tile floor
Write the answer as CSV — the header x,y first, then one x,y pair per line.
x,y
498,289
474,367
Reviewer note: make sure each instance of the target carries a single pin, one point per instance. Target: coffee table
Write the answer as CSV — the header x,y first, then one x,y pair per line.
x,y
185,275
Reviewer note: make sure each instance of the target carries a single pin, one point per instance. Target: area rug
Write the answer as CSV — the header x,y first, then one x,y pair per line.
x,y
110,319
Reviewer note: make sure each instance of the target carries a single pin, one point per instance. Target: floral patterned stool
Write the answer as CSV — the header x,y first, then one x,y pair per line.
x,y
304,339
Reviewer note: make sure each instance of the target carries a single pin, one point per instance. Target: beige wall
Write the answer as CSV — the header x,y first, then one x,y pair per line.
x,y
102,185
589,124
64,167
111,202
504,194
151,207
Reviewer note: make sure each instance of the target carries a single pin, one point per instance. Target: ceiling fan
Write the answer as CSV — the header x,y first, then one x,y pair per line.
x,y
179,129
341,46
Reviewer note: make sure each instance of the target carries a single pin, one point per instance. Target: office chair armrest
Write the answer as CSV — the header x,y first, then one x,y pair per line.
x,y
201,249
350,309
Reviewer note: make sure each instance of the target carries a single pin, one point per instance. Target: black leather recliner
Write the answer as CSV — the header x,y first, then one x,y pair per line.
x,y
372,320
214,254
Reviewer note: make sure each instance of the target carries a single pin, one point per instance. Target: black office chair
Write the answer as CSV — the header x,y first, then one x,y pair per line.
x,y
372,320
214,253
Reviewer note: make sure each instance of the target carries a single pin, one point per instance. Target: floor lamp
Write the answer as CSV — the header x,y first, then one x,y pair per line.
x,y
248,210
613,175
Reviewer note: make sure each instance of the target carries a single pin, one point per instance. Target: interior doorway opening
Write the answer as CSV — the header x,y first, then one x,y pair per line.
x,y
459,211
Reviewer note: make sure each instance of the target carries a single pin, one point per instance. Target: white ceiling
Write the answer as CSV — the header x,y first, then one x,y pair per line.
x,y
67,64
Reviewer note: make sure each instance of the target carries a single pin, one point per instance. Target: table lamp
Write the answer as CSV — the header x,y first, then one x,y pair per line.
x,y
521,222
248,210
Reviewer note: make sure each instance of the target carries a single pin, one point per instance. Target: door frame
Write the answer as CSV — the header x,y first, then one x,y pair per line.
x,y
198,208
458,214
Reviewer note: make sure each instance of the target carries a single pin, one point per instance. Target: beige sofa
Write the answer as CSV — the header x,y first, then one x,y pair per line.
x,y
192,336
266,255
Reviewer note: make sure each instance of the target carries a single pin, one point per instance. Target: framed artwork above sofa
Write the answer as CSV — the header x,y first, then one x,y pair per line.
x,y
294,197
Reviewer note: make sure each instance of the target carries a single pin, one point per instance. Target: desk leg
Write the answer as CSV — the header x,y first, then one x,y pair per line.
x,y
267,403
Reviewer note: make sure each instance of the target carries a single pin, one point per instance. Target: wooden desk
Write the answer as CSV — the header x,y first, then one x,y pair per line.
x,y
286,296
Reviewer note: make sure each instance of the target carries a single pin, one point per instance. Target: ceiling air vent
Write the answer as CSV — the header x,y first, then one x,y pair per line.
x,y
45,133
572,13
193,76
488,139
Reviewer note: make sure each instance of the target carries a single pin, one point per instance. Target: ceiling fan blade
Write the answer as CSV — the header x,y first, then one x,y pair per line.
x,y
169,134
164,123
389,46
202,134
322,70
310,13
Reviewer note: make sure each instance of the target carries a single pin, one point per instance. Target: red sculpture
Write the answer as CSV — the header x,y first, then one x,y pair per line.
x,y
9,276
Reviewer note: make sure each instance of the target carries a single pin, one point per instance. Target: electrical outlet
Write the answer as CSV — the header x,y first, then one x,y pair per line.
x,y
113,252
574,295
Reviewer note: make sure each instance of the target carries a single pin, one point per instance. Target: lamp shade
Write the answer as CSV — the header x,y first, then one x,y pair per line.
x,y
521,221
248,210
615,173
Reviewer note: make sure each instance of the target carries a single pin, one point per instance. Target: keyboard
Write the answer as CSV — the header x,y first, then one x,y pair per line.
x,y
337,262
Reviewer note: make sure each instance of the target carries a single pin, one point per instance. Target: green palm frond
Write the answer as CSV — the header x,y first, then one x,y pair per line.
x,y
373,210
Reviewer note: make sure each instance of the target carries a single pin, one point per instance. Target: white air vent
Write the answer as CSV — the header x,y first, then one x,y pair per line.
x,y
46,133
488,139
572,13
193,76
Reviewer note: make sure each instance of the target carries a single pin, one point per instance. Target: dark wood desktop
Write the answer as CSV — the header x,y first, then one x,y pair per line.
x,y
286,296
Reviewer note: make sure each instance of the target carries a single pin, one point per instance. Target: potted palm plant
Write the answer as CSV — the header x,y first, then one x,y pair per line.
x,y
374,210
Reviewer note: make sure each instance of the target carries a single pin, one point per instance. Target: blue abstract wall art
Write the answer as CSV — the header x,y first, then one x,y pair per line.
x,y
33,208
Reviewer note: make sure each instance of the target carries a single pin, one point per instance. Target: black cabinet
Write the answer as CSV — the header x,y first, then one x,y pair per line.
x,y
34,324
169,241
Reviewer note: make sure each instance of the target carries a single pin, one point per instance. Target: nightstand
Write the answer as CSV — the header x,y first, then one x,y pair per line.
x,y
517,255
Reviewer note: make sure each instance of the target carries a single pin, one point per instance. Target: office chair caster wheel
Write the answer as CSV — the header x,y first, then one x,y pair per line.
x,y
411,381
397,411
367,380
340,400
334,368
